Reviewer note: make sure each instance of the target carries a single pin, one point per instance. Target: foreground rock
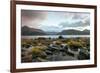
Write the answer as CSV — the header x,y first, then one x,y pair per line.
x,y
53,53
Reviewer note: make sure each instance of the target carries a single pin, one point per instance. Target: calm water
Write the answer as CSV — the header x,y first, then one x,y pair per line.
x,y
55,36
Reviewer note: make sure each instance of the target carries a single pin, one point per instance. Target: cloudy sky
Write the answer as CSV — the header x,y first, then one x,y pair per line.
x,y
55,20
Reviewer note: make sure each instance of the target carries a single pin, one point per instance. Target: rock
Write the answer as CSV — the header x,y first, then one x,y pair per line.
x,y
27,46
42,55
48,52
64,53
70,54
66,48
26,55
83,55
39,59
34,60
26,58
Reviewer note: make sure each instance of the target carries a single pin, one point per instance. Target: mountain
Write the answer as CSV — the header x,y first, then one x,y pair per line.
x,y
25,30
74,32
86,31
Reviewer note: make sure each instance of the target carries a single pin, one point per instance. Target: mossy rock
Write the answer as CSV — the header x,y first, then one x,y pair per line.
x,y
41,59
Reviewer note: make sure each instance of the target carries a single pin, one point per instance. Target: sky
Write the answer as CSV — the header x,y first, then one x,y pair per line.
x,y
55,21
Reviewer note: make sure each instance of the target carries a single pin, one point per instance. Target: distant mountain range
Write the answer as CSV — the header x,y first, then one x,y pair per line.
x,y
25,30
74,32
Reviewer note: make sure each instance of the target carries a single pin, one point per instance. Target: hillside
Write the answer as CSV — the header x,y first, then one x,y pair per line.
x,y
25,30
74,32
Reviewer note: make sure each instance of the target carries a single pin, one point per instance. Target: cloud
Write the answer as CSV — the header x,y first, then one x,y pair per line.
x,y
78,28
76,20
80,15
32,18
75,15
53,20
51,28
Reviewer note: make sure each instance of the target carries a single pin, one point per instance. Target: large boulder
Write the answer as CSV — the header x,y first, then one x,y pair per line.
x,y
83,55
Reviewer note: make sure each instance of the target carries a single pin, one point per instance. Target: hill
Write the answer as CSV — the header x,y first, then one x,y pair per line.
x,y
25,30
74,32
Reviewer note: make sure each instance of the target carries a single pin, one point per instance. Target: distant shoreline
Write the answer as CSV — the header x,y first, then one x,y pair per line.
x,y
54,36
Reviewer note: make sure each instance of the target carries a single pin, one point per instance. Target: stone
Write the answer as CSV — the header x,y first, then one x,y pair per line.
x,y
48,52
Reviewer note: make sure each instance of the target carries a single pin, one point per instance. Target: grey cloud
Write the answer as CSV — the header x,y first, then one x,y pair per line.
x,y
80,23
76,19
51,28
76,15
32,17
33,14
80,15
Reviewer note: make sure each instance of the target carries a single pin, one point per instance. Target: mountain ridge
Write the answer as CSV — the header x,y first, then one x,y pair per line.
x,y
74,32
25,30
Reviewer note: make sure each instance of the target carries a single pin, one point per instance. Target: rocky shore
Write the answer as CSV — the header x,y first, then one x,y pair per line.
x,y
54,51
